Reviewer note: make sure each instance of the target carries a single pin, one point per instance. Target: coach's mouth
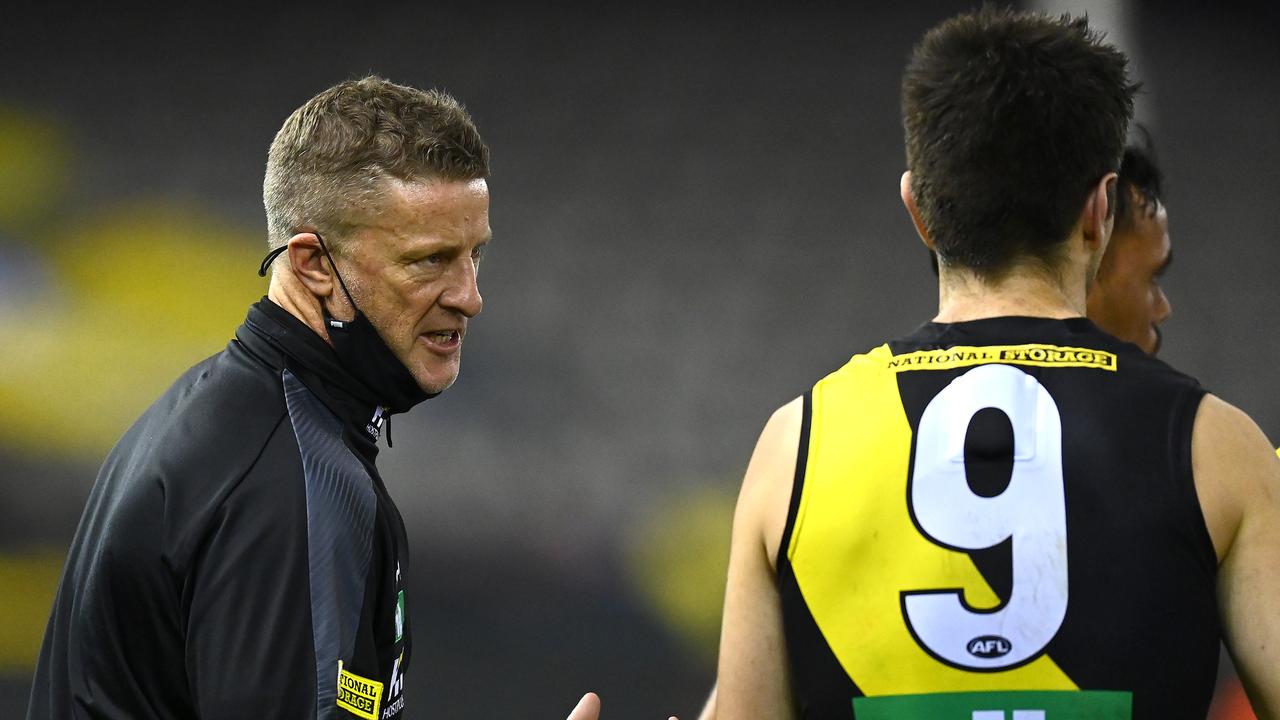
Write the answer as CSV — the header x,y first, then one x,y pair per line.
x,y
443,342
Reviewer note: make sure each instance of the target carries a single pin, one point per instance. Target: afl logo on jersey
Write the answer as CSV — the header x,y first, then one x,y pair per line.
x,y
989,646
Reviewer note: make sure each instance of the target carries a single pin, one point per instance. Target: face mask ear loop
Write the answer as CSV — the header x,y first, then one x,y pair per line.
x,y
334,265
270,258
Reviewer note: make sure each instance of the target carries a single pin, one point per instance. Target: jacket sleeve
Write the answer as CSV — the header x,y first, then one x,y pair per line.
x,y
249,637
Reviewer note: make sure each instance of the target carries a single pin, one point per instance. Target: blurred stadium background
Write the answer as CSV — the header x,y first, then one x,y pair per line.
x,y
696,216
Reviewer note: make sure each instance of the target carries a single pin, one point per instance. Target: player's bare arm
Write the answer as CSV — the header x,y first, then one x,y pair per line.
x,y
1237,477
709,710
753,675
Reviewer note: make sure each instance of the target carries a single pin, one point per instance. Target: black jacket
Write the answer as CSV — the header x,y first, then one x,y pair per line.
x,y
238,556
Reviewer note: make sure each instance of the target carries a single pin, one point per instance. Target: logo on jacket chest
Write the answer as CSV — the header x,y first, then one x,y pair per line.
x,y
399,611
374,426
399,616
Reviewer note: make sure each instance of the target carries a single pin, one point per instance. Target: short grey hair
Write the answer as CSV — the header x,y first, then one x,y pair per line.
x,y
332,157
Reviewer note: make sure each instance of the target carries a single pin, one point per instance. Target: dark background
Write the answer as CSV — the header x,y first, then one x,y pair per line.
x,y
696,216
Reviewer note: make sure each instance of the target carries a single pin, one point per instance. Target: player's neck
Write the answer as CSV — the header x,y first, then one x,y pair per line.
x,y
1031,293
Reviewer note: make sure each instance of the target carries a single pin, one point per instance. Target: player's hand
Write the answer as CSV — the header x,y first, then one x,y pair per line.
x,y
589,709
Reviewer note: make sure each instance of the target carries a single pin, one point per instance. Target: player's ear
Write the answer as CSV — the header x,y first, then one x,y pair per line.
x,y
310,265
909,200
1098,214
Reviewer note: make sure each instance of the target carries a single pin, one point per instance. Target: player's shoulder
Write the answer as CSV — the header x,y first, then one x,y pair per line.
x,y
1235,467
1221,425
868,362
785,420
1132,361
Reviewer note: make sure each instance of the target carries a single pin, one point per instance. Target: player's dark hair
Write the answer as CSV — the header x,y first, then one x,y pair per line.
x,y
1140,188
1010,119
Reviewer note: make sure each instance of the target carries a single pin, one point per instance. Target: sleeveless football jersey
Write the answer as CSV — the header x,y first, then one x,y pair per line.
x,y
996,520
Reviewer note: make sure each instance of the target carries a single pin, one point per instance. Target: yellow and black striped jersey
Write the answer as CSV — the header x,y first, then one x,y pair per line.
x,y
996,520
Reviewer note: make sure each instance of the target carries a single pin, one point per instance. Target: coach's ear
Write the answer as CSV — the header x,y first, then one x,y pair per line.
x,y
309,264
909,199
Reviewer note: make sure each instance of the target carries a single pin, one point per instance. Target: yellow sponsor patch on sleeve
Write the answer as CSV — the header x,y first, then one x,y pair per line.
x,y
358,695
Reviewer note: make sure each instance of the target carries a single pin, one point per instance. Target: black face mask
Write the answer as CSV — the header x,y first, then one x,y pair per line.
x,y
363,352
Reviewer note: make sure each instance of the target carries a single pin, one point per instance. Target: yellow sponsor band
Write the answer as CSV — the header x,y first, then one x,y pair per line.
x,y
358,695
1035,355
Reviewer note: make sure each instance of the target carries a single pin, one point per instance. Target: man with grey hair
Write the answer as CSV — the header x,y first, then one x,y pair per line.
x,y
239,555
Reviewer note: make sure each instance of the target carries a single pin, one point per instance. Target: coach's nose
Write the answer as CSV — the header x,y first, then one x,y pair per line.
x,y
463,292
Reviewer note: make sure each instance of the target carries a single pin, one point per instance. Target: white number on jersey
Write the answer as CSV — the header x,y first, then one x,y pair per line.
x,y
1031,511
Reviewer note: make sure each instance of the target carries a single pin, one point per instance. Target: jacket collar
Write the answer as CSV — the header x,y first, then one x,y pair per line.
x,y
284,342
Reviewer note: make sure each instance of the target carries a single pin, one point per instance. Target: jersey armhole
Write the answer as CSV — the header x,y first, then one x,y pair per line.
x,y
1183,470
797,485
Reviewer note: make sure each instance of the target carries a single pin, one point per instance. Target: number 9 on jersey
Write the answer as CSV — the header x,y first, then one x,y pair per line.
x,y
1031,512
